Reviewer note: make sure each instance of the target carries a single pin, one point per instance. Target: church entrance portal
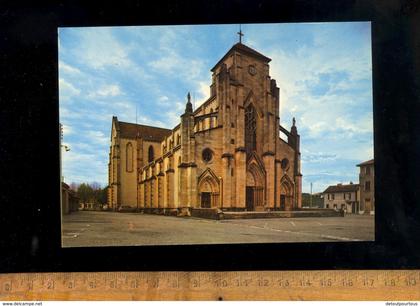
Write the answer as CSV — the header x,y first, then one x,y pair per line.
x,y
286,194
208,190
205,200
254,198
282,202
249,198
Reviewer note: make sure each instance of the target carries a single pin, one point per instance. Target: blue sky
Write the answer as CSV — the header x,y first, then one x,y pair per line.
x,y
324,71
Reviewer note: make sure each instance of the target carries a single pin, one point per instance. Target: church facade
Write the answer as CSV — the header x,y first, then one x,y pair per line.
x,y
226,154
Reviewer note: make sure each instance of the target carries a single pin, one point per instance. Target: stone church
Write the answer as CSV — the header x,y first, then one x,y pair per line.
x,y
226,154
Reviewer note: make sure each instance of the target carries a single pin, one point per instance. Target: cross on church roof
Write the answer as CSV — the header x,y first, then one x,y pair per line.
x,y
240,34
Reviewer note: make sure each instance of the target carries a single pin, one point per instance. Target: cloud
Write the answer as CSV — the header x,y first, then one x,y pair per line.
x,y
143,74
203,92
163,101
111,90
67,89
173,116
99,51
326,83
317,157
65,68
89,164
173,63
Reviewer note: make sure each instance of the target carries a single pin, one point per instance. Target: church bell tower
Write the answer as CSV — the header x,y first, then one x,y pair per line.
x,y
249,113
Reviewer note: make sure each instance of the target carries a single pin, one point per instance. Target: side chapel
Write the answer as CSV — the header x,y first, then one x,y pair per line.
x,y
225,154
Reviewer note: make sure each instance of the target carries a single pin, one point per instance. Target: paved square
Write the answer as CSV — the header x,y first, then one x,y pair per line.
x,y
89,228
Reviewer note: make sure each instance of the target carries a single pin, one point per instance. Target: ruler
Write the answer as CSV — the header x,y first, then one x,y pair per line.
x,y
387,285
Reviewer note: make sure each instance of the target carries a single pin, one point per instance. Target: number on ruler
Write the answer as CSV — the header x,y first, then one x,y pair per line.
x,y
221,283
154,283
173,283
8,286
263,282
410,281
326,282
368,282
134,284
305,283
242,282
195,283
50,285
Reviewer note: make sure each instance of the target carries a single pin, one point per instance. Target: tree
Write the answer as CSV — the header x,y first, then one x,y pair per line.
x,y
103,195
92,193
85,192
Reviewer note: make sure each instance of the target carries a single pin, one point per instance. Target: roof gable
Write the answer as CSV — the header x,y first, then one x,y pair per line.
x,y
241,48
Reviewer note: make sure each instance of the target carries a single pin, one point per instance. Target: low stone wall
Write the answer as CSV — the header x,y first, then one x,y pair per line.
x,y
218,214
160,211
207,213
284,214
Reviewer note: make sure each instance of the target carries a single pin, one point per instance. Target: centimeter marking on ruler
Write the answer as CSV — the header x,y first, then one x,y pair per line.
x,y
272,281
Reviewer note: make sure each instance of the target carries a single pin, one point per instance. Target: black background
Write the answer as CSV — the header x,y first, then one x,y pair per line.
x,y
29,148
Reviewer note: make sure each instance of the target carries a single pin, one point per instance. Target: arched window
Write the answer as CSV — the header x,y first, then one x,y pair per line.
x,y
151,154
129,157
211,118
250,129
207,155
285,164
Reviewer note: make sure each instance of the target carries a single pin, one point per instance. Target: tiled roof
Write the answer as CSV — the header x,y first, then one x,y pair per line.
x,y
369,162
246,50
342,188
151,133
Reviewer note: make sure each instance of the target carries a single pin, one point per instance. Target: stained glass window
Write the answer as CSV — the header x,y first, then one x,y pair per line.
x,y
250,129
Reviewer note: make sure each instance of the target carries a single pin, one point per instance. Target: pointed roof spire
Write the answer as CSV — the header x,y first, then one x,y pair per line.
x,y
293,130
188,107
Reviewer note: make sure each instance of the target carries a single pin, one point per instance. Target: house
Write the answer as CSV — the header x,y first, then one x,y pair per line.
x,y
367,187
69,199
345,197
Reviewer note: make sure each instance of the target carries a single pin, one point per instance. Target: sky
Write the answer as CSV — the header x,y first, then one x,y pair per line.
x,y
143,74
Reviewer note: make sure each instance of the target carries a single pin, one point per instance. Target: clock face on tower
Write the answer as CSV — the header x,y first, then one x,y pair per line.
x,y
252,70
